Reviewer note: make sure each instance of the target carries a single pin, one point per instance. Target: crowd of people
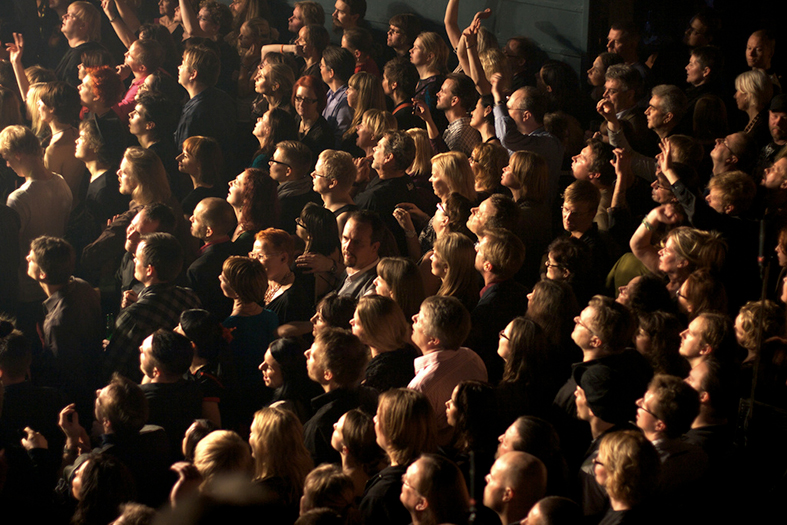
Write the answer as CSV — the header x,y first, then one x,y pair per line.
x,y
251,274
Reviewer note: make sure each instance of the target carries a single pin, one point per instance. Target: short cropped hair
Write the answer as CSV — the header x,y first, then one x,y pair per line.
x,y
612,322
63,99
402,72
171,352
312,12
602,155
676,403
151,54
408,23
344,355
673,100
446,319
340,60
737,189
402,146
710,57
504,250
297,155
164,253
534,101
205,62
247,277
55,257
464,89
20,140
106,84
582,191
506,212
219,215
629,78
339,166
124,405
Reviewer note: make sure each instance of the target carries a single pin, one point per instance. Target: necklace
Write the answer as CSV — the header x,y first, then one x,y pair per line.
x,y
274,287
54,135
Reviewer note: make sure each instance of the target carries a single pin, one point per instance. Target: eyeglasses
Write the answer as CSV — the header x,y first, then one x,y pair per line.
x,y
303,100
578,321
271,162
641,406
502,335
299,222
597,463
552,265
315,175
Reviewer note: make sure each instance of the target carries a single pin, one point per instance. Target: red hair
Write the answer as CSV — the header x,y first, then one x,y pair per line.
x,y
106,84
320,91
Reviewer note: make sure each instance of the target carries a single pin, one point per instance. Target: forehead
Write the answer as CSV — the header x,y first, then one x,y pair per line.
x,y
777,114
357,230
655,102
341,6
588,313
614,34
697,326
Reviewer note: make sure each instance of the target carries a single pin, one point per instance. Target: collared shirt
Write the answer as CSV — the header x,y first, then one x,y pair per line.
x,y
437,374
337,112
129,102
460,136
538,141
158,306
360,282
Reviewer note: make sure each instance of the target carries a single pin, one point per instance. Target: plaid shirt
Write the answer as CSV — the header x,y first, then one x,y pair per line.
x,y
460,136
158,306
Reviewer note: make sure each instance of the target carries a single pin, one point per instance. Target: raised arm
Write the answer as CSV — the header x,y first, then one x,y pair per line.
x,y
474,68
129,15
190,19
641,242
15,51
452,22
123,31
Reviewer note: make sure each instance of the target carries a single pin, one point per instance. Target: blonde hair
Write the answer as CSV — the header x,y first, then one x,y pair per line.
x,y
370,96
457,172
406,419
434,45
89,15
488,162
422,165
772,322
383,323
758,85
278,449
531,172
632,465
458,252
148,172
20,140
378,122
493,61
39,127
221,452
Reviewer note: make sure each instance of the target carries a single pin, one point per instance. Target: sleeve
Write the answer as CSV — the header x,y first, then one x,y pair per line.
x,y
506,131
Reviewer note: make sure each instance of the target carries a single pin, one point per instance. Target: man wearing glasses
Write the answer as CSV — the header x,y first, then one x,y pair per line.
x,y
289,166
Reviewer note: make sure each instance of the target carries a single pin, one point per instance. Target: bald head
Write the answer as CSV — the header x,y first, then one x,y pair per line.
x,y
554,510
213,214
515,483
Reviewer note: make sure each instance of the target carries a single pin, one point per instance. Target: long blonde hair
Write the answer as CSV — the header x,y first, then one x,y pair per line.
x,y
277,447
422,165
457,172
370,96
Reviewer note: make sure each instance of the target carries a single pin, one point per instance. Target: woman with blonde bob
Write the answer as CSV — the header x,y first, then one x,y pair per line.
x,y
281,461
399,279
380,324
753,93
627,466
527,176
451,173
374,124
405,429
488,162
453,262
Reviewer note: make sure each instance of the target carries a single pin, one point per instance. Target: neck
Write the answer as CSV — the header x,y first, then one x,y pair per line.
x,y
273,100
335,84
397,97
195,89
164,379
55,126
487,131
334,201
36,171
425,71
197,363
198,184
663,132
490,278
598,426
145,140
308,120
50,289
455,113
516,194
75,41
214,239
706,418
617,504
95,168
594,353
241,309
386,174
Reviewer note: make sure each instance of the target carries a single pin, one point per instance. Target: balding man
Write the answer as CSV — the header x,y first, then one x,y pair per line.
x,y
554,510
515,483
213,222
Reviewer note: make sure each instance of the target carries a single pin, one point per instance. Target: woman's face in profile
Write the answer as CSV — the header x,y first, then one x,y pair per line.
x,y
271,371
